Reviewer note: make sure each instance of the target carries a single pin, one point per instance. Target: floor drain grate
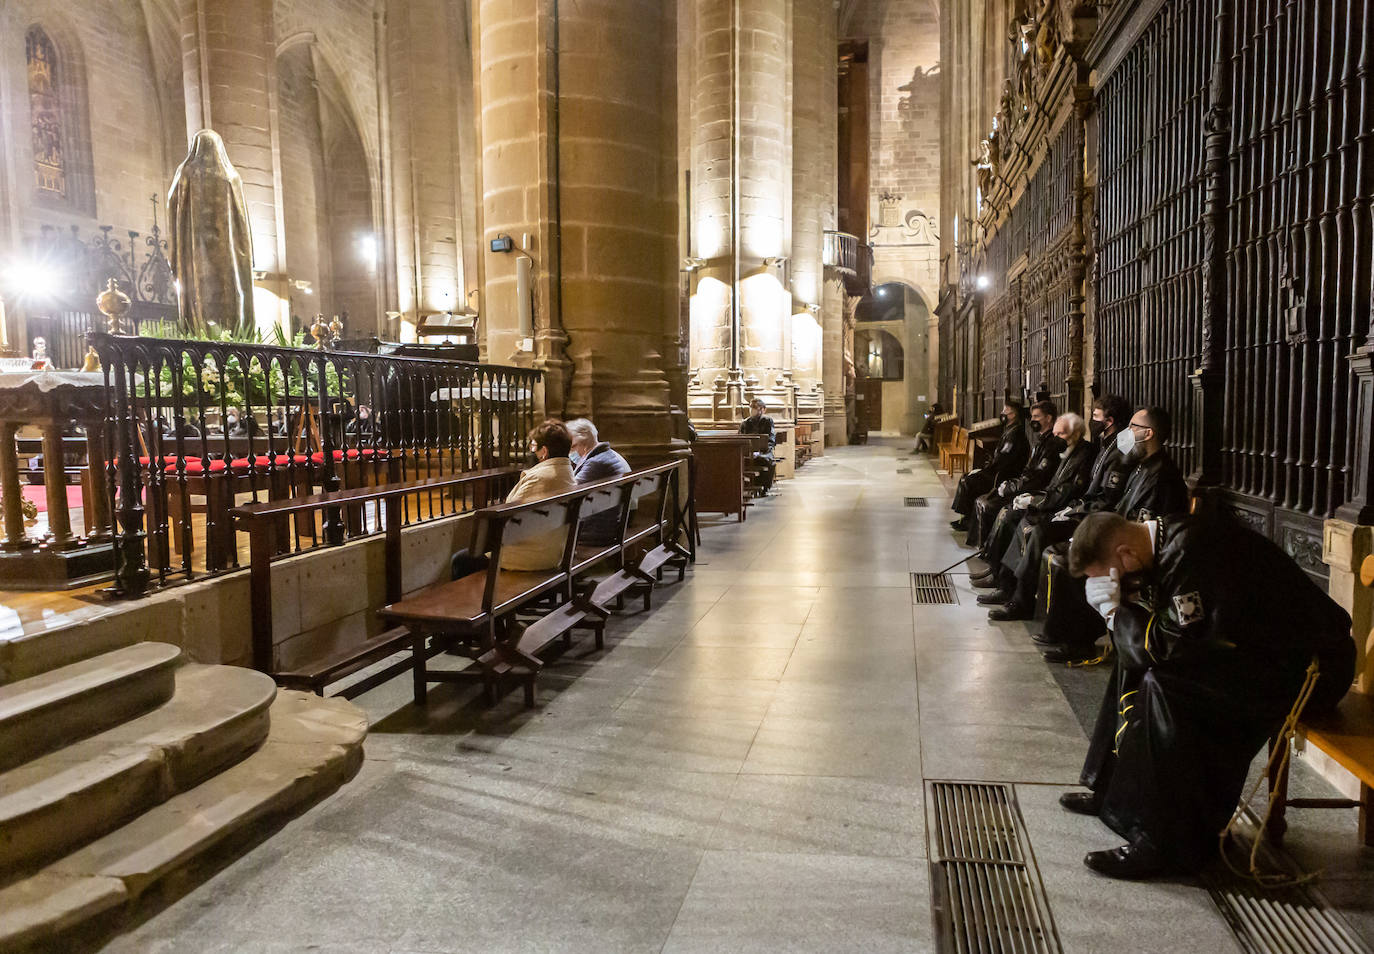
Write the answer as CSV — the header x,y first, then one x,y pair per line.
x,y
1292,920
916,501
987,894
903,470
932,588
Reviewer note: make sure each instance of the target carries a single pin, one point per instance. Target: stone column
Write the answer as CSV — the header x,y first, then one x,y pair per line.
x,y
229,67
578,143
517,63
814,130
430,108
832,360
741,181
617,166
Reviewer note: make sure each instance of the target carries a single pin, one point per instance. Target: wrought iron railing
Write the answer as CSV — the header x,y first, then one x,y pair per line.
x,y
195,427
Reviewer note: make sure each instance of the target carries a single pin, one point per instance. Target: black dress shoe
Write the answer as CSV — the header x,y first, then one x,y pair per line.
x,y
1128,863
1066,654
983,580
995,598
961,524
1040,639
1011,611
1081,803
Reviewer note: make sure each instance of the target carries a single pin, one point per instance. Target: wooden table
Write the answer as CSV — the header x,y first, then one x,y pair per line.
x,y
53,401
722,460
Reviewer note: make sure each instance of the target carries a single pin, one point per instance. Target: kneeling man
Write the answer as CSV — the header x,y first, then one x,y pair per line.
x,y
1215,628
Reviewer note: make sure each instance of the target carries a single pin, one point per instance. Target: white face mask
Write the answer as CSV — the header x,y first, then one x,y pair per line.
x,y
574,457
1125,442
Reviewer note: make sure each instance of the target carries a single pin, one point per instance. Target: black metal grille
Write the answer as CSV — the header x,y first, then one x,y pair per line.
x,y
916,501
986,891
1290,920
1150,228
903,470
930,588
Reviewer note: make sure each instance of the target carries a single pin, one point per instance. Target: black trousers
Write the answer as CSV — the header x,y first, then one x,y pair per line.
x,y
972,486
1025,554
1069,620
767,468
985,512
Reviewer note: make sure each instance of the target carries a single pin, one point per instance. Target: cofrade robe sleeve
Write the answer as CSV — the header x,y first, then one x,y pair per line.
x,y
210,242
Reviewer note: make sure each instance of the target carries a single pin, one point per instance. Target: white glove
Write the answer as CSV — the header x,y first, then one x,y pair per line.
x,y
1064,514
1104,595
1022,501
1003,488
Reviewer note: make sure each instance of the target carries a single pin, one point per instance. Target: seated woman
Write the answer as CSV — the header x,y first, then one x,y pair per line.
x,y
552,474
593,460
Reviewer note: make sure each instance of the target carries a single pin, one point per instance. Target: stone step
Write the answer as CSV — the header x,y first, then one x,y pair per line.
x,y
314,746
62,800
44,712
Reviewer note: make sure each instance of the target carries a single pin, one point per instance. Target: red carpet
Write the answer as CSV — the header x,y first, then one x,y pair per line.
x,y
39,496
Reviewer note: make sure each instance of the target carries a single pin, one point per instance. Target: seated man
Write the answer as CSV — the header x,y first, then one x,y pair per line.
x,y
926,439
1154,488
1069,482
1008,460
1215,628
1045,450
759,423
593,460
551,474
1051,522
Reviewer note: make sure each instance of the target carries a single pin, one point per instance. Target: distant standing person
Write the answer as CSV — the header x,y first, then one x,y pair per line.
x,y
759,423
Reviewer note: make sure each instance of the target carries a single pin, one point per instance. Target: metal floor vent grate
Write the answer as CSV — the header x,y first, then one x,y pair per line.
x,y
987,897
903,470
1291,920
916,501
932,588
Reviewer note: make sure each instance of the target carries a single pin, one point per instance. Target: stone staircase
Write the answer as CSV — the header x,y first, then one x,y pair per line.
x,y
120,770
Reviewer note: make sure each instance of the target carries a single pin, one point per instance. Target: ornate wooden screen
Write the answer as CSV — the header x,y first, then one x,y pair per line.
x,y
1150,195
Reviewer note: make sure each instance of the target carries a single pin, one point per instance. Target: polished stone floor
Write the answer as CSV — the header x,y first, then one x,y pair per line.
x,y
740,770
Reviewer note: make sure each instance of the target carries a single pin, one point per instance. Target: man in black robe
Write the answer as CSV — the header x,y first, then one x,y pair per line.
x,y
1070,481
1154,488
1215,628
1045,449
1008,460
1053,520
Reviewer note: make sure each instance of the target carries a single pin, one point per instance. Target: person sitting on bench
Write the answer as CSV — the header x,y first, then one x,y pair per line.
x,y
1154,488
926,439
1010,601
1008,460
593,459
551,474
1046,447
1219,637
759,423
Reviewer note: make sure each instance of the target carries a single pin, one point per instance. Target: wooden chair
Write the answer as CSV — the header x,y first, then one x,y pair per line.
x,y
961,457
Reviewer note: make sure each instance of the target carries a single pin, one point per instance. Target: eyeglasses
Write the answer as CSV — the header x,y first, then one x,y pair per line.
x,y
1143,427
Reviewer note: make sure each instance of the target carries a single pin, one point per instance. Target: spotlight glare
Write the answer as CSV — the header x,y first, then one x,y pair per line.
x,y
984,281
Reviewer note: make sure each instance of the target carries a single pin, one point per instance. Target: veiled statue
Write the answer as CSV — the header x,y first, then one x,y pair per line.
x,y
210,243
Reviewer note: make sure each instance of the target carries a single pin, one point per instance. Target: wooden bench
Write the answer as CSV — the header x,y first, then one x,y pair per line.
x,y
478,615
1347,737
265,522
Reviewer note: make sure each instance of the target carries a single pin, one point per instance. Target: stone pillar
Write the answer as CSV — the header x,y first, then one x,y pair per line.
x,y
578,167
814,130
430,94
741,185
832,361
517,64
617,166
229,68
